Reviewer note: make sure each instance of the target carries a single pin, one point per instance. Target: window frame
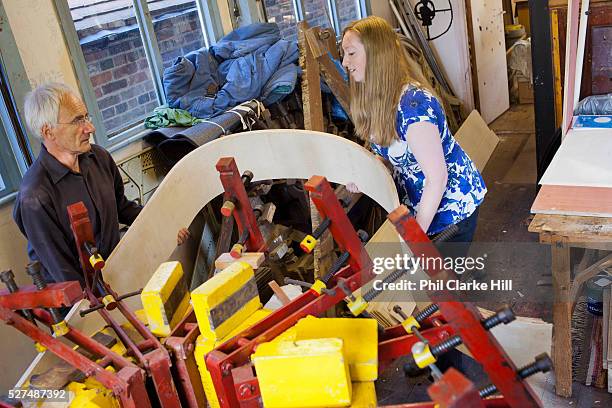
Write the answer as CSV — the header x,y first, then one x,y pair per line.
x,y
210,23
13,163
363,10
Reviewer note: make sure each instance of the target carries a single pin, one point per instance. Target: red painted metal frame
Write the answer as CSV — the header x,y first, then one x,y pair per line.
x,y
465,319
453,390
181,344
340,227
157,362
128,384
54,295
243,212
236,352
86,342
229,364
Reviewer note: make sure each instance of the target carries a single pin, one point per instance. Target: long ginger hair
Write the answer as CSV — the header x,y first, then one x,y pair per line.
x,y
374,101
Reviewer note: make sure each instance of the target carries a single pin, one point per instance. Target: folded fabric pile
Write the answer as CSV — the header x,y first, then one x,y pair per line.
x,y
252,62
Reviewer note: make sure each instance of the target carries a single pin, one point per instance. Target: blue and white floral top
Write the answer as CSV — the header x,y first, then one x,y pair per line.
x,y
465,189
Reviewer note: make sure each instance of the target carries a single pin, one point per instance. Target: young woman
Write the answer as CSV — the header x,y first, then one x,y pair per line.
x,y
397,113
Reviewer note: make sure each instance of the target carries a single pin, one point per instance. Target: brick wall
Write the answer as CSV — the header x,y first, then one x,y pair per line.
x,y
119,69
347,12
282,13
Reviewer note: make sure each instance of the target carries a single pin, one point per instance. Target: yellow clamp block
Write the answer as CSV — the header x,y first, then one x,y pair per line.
x,y
424,358
60,328
96,261
225,300
410,323
319,373
360,338
108,299
318,286
165,298
358,306
308,243
39,347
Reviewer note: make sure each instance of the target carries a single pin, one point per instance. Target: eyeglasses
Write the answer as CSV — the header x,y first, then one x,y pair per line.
x,y
78,122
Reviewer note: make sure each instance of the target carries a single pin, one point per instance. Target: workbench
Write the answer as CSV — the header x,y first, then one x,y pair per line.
x,y
562,233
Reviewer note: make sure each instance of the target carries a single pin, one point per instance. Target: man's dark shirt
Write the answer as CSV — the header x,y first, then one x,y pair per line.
x,y
48,188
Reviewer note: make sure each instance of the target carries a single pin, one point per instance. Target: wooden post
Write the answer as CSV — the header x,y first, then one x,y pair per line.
x,y
311,86
562,317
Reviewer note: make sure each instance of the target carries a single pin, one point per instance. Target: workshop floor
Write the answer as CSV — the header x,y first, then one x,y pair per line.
x,y
510,177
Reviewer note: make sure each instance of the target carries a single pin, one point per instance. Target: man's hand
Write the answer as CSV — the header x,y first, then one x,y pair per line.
x,y
182,236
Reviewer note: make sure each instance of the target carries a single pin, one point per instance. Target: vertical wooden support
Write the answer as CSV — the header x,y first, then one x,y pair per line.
x,y
554,28
562,317
311,85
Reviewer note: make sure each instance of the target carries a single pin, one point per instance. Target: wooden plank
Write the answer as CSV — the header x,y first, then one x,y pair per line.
x,y
329,36
311,86
576,229
317,47
279,292
606,325
255,259
570,200
332,77
608,349
582,29
571,45
490,57
477,140
583,159
335,82
554,18
562,317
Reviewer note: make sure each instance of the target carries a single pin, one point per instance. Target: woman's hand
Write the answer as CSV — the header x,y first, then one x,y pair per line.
x,y
182,236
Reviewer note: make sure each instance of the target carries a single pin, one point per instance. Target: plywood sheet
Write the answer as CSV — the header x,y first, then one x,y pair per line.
x,y
452,47
476,139
194,181
570,200
584,159
490,57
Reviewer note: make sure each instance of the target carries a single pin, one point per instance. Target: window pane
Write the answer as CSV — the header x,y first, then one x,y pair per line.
x,y
282,13
177,28
348,10
110,39
9,172
317,13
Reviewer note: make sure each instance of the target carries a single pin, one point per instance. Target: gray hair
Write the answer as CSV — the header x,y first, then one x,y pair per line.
x,y
42,105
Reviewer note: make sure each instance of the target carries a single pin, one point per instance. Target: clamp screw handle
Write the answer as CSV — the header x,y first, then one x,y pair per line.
x,y
33,269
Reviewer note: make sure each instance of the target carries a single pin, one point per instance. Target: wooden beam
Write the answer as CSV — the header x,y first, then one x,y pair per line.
x,y
311,85
328,69
562,319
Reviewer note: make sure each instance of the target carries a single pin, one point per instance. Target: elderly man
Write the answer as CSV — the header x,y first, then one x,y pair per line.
x,y
68,169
